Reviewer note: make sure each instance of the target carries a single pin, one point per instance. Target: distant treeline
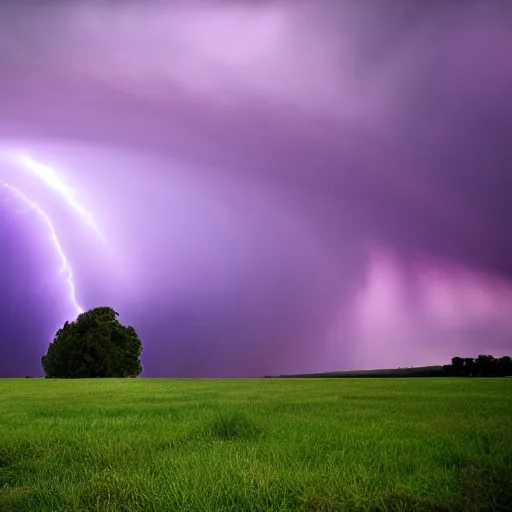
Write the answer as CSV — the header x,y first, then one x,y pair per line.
x,y
482,366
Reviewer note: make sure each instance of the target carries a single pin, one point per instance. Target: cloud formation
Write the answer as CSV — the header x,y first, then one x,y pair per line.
x,y
284,187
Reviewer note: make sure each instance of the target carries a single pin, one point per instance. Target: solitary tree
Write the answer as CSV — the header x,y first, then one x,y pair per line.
x,y
96,344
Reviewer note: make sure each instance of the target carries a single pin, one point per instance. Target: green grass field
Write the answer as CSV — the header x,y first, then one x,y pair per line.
x,y
254,445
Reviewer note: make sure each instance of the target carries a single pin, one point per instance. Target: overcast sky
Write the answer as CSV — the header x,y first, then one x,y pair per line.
x,y
278,186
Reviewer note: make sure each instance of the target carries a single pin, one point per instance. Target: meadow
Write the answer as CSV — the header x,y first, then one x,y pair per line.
x,y
423,444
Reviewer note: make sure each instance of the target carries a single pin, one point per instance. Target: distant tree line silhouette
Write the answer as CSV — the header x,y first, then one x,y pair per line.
x,y
482,366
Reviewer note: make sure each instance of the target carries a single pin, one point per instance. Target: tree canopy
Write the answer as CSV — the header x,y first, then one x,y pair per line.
x,y
96,344
483,366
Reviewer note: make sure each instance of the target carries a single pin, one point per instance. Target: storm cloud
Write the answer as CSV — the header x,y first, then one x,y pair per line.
x,y
282,187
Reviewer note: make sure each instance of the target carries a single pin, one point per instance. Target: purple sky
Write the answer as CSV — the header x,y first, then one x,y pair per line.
x,y
281,187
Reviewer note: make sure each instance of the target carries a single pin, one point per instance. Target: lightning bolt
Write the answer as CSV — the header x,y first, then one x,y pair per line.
x,y
65,267
50,178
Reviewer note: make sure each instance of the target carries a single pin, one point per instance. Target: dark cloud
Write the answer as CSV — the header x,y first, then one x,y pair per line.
x,y
257,155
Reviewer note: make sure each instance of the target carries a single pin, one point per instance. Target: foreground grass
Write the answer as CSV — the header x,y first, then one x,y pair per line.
x,y
254,445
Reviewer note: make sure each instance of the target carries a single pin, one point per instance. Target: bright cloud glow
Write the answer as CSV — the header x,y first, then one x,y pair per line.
x,y
50,178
